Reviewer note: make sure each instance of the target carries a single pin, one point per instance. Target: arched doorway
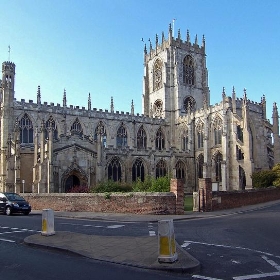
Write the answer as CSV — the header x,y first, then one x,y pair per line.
x,y
71,181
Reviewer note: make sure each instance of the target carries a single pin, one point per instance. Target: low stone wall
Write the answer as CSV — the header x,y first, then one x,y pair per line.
x,y
137,203
233,199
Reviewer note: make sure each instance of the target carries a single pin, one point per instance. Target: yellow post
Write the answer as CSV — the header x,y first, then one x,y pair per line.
x,y
47,222
166,241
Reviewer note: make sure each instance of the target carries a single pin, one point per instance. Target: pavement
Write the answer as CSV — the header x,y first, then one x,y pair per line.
x,y
140,252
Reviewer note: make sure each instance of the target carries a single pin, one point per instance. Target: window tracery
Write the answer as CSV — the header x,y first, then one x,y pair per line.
x,y
189,104
158,108
217,126
76,128
141,139
160,141
157,74
138,171
188,70
26,130
114,170
121,137
161,169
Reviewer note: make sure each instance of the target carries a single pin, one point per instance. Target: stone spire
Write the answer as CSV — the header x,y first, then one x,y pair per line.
x,y
39,95
112,105
64,98
132,108
233,100
89,102
263,102
188,36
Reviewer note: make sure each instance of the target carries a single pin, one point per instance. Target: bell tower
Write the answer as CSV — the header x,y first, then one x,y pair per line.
x,y
6,117
175,77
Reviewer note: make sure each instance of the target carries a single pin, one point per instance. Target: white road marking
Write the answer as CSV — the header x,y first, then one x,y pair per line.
x,y
14,228
7,240
230,247
115,226
204,277
257,276
185,245
152,233
271,262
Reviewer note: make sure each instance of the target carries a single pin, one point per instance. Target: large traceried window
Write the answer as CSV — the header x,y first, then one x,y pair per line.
x,y
121,137
114,170
138,171
50,124
157,75
160,141
217,126
101,130
26,130
180,170
76,128
141,139
200,135
189,104
188,68
161,169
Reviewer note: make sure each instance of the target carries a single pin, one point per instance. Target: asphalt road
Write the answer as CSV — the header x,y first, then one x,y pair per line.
x,y
240,246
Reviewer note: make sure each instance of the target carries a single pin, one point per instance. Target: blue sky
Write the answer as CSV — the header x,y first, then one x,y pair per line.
x,y
95,46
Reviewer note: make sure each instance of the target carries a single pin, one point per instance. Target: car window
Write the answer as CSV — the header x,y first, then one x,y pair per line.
x,y
14,196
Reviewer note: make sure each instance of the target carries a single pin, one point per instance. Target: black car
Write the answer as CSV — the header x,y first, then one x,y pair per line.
x,y
13,203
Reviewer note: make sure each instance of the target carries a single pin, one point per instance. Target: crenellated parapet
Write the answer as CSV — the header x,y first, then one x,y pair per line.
x,y
171,41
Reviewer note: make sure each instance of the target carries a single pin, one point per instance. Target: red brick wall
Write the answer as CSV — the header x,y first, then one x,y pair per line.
x,y
137,203
177,187
233,199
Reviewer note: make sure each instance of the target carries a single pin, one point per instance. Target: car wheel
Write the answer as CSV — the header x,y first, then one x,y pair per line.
x,y
8,211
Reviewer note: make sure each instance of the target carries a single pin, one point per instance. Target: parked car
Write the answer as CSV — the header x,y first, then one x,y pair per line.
x,y
13,203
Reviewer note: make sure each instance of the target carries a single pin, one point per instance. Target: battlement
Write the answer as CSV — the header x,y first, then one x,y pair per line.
x,y
8,66
173,42
72,110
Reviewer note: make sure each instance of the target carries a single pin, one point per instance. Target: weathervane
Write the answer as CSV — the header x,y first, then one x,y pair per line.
x,y
9,51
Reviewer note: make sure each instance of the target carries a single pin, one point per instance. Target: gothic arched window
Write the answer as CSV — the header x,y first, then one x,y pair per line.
x,y
138,171
200,135
76,128
101,130
161,169
185,140
188,70
239,153
239,133
157,75
200,163
121,137
189,104
218,169
50,124
141,139
160,141
26,130
180,170
114,170
217,131
158,108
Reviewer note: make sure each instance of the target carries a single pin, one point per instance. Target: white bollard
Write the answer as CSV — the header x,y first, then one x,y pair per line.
x,y
166,242
47,222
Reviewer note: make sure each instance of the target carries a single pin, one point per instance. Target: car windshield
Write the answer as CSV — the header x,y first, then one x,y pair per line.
x,y
14,196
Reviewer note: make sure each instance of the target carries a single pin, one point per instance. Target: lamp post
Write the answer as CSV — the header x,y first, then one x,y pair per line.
x,y
23,181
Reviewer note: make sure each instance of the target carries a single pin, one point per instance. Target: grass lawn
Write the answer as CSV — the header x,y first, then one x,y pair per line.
x,y
188,205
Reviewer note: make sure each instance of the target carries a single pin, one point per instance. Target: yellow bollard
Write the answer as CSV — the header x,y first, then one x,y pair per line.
x,y
166,241
47,222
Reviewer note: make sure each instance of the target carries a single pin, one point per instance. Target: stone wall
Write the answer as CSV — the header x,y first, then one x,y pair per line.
x,y
136,203
234,199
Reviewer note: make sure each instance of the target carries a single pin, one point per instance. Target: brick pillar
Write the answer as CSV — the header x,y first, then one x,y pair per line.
x,y
177,187
205,194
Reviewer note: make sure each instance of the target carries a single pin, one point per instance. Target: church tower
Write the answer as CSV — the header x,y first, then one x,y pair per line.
x,y
175,77
7,123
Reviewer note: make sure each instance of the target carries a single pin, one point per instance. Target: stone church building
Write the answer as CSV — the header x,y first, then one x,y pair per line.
x,y
51,148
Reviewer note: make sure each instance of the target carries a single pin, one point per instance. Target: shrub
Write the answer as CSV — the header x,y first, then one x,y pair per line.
x,y
160,184
264,178
276,169
111,186
79,189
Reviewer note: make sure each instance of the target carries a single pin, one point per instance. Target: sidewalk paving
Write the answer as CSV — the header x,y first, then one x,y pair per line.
x,y
126,250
